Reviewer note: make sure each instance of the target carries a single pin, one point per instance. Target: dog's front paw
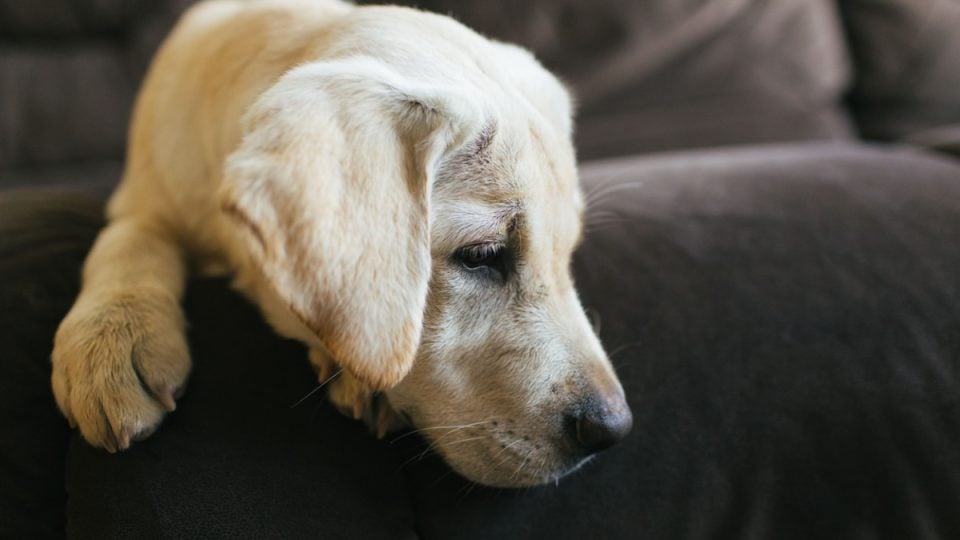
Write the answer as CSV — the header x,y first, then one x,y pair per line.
x,y
118,365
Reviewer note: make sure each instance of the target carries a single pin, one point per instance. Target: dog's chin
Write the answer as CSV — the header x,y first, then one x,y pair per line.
x,y
519,471
515,478
481,454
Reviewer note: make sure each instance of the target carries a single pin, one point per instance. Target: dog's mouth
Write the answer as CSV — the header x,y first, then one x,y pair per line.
x,y
505,451
495,452
506,468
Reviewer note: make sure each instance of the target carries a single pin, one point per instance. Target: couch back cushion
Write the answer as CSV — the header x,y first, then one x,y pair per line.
x,y
69,72
649,76
669,74
907,56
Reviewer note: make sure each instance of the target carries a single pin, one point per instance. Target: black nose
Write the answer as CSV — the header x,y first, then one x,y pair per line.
x,y
601,422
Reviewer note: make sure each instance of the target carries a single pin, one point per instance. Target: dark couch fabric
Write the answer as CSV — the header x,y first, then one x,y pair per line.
x,y
649,76
908,68
68,75
238,459
44,237
653,76
784,322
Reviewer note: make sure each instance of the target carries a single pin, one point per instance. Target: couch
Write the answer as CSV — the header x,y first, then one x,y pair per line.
x,y
772,260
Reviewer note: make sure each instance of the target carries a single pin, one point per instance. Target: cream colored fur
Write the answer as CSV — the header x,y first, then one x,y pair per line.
x,y
333,159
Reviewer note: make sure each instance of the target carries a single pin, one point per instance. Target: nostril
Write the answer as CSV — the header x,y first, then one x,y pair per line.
x,y
600,426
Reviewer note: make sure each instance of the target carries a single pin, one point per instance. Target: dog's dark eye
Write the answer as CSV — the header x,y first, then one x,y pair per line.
x,y
477,255
485,256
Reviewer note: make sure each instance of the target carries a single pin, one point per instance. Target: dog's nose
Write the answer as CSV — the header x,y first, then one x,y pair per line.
x,y
602,422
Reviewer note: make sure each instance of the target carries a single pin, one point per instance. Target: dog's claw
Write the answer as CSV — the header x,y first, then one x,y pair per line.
x,y
166,398
354,399
386,419
322,364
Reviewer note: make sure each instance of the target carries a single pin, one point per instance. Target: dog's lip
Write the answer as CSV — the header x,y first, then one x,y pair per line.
x,y
545,479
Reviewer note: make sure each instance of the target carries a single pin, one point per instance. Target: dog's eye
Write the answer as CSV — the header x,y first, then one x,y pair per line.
x,y
479,256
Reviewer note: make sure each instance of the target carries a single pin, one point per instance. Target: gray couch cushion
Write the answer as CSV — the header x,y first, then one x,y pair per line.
x,y
63,103
907,68
674,74
59,18
649,75
68,75
44,237
784,320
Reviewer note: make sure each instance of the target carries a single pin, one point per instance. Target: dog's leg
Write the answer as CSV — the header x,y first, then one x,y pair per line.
x,y
120,356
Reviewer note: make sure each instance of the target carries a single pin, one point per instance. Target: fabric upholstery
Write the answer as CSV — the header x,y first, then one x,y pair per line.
x,y
908,68
241,457
68,75
64,105
785,323
44,237
649,76
59,19
653,76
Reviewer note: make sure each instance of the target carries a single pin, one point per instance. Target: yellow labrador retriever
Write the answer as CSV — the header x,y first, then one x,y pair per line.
x,y
391,189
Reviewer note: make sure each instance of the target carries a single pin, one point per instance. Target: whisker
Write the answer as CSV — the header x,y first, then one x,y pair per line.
x,y
589,231
413,458
624,347
603,186
465,490
468,439
319,386
611,189
605,220
604,224
433,445
431,428
543,463
591,191
502,450
440,479
593,217
522,464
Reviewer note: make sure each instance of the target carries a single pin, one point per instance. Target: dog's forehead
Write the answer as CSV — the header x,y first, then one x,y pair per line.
x,y
507,172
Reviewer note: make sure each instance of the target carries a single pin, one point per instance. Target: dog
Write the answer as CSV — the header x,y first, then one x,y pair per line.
x,y
390,188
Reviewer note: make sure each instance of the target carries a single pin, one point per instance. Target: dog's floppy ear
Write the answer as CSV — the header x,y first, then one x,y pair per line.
x,y
330,192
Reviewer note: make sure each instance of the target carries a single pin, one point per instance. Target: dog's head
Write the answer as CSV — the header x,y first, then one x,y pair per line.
x,y
415,207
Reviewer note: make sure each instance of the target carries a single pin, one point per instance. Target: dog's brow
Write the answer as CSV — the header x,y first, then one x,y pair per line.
x,y
473,221
479,153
